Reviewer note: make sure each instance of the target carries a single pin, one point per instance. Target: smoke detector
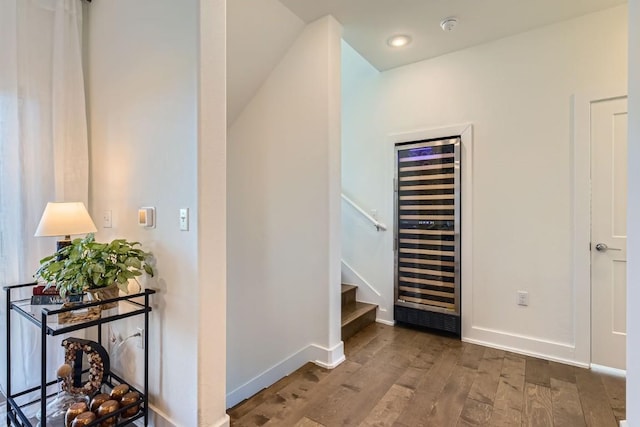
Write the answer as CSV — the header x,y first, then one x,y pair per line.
x,y
448,24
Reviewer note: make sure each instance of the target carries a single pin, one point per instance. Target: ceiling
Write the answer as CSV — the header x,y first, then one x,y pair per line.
x,y
259,32
369,23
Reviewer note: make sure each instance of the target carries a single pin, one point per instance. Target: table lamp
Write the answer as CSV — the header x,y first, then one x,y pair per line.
x,y
65,219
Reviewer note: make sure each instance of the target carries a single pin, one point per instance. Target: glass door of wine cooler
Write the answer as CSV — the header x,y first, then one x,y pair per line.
x,y
427,226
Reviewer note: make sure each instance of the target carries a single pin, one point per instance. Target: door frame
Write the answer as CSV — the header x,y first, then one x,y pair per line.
x,y
581,216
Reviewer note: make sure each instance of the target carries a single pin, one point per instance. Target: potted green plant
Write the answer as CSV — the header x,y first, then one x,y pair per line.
x,y
100,269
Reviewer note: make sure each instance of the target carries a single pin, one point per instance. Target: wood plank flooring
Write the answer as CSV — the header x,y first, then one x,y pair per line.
x,y
401,377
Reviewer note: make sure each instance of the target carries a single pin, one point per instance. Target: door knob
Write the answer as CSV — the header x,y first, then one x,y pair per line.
x,y
602,247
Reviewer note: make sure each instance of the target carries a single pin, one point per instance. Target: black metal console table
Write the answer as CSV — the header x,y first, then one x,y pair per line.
x,y
45,318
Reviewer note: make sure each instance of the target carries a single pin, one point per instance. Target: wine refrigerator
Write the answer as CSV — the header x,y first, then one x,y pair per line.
x,y
427,234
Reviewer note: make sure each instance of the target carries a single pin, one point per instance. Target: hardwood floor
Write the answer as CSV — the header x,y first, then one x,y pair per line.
x,y
401,377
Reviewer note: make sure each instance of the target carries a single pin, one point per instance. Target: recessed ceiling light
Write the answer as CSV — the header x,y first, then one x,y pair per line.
x,y
399,40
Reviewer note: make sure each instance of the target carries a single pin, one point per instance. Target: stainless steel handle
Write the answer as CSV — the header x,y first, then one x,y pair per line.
x,y
602,247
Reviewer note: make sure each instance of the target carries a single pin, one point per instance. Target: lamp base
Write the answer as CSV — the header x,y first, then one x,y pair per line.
x,y
62,243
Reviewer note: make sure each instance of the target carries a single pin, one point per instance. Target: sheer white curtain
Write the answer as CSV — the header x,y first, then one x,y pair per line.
x,y
43,148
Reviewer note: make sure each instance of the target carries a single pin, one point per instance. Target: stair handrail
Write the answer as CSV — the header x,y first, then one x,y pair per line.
x,y
379,226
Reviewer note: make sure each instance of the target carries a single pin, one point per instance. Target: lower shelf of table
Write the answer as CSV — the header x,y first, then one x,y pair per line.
x,y
16,419
24,414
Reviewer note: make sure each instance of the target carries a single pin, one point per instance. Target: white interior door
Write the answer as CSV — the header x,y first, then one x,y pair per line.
x,y
609,232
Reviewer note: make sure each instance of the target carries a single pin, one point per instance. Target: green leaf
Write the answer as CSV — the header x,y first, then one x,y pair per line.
x,y
55,267
133,262
47,259
148,270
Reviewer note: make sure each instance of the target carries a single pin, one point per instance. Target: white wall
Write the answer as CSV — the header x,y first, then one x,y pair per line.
x,y
517,94
249,62
212,211
143,100
283,305
633,220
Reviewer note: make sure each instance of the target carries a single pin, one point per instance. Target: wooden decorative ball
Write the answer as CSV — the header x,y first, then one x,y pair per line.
x,y
128,399
84,419
98,400
73,411
119,391
108,407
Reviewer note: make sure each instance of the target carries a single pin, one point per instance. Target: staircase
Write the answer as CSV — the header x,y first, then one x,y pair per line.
x,y
355,314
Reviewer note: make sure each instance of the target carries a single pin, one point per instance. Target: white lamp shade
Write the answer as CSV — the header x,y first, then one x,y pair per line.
x,y
65,219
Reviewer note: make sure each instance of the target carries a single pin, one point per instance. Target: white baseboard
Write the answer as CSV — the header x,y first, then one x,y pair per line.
x,y
225,421
609,371
159,418
529,346
326,357
386,322
268,377
624,423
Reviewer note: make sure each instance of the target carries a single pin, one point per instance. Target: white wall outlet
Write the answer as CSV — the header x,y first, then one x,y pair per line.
x,y
184,219
523,298
106,219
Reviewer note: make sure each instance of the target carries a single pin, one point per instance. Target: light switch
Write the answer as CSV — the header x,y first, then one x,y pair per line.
x,y
523,298
106,219
184,219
